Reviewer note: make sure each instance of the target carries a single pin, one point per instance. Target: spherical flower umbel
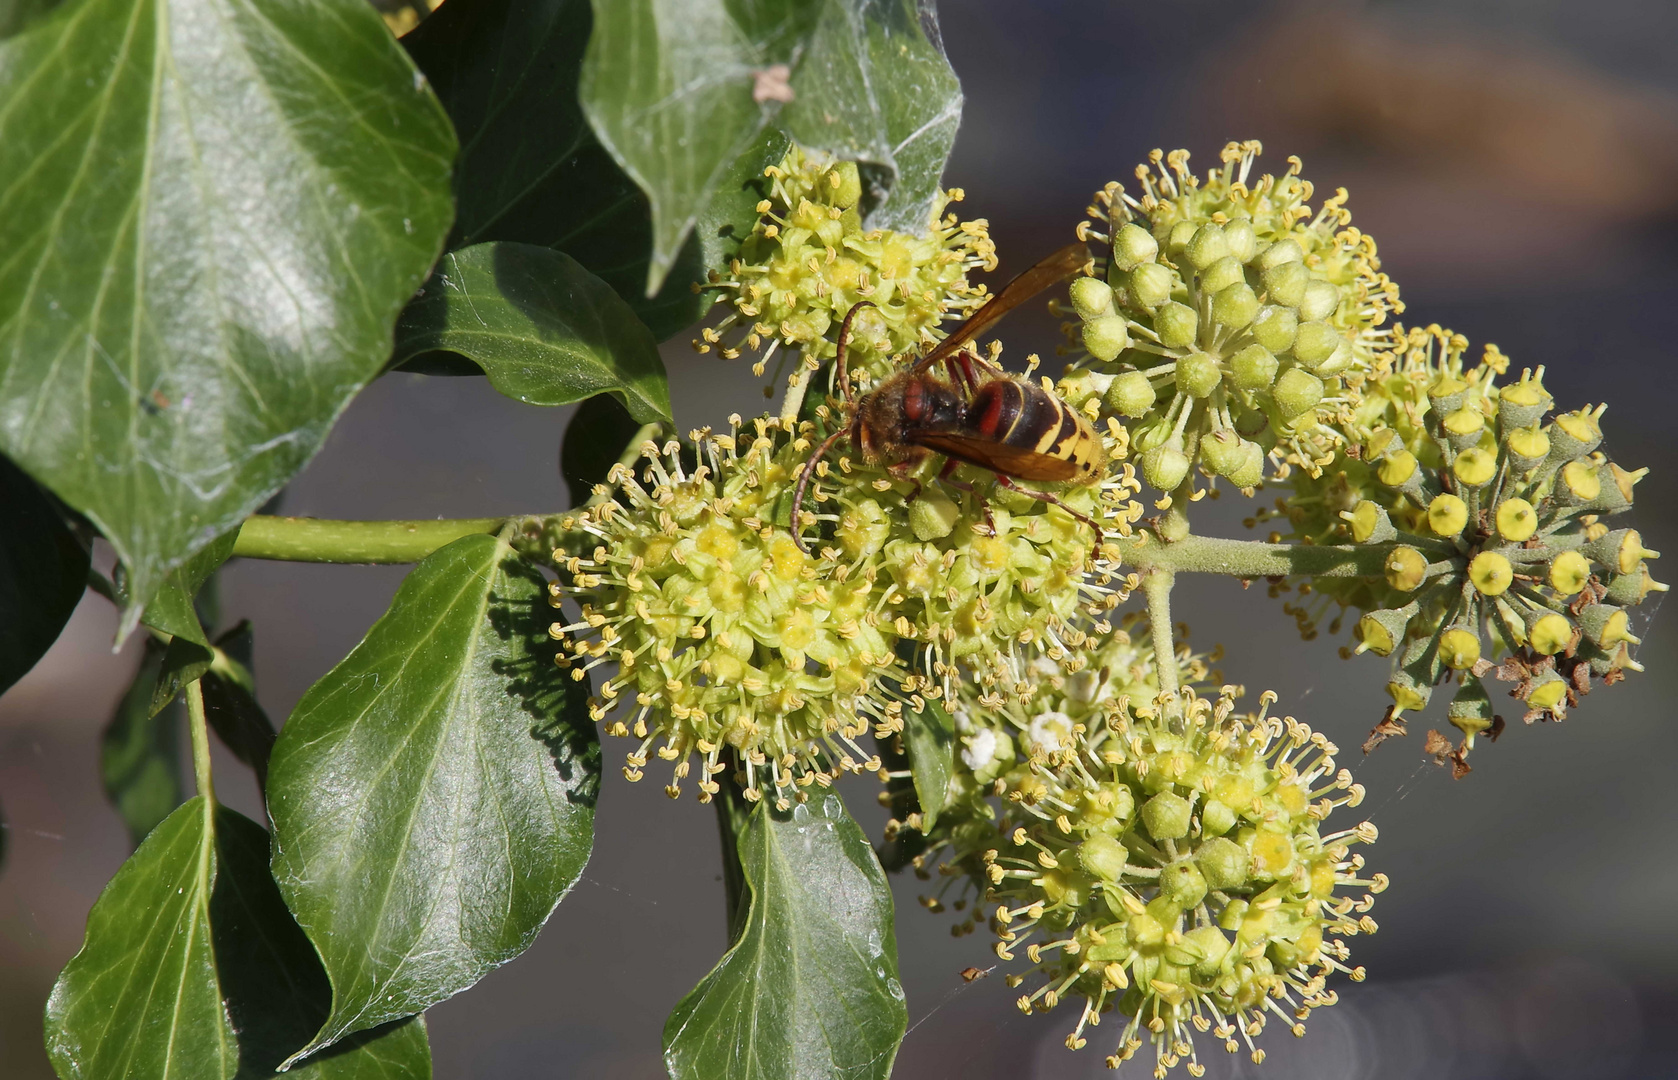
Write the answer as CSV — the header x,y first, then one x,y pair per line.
x,y
730,640
1169,860
809,260
1231,316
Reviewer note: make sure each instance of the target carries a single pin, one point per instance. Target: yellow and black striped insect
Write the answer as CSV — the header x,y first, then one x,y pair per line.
x,y
981,415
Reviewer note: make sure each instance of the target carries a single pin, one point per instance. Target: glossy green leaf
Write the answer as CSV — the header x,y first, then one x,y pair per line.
x,y
433,795
531,170
192,967
174,608
594,440
809,987
930,738
183,662
545,330
140,751
677,91
43,573
211,213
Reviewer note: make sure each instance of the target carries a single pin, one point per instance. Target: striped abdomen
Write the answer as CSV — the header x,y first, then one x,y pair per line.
x,y
1021,430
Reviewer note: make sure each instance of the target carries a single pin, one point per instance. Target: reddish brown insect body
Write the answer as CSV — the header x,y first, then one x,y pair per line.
x,y
981,415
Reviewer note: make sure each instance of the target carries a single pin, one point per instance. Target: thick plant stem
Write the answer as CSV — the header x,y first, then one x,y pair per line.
x,y
733,815
327,541
200,740
1156,586
1252,559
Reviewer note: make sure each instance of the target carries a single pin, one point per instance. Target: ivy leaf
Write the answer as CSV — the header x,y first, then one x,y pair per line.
x,y
140,752
545,330
809,987
930,738
213,212
230,704
193,967
677,92
43,573
595,439
433,795
531,170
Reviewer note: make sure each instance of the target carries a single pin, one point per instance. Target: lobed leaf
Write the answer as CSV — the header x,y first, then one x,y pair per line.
x,y
544,329
211,212
43,573
809,987
433,795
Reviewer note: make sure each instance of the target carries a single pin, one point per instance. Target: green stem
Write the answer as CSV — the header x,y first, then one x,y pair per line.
x,y
1253,559
327,541
1156,586
200,740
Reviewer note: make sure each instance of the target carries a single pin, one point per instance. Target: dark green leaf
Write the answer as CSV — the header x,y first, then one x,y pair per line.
x,y
930,737
433,795
140,753
594,441
810,986
230,704
16,14
43,572
876,87
192,967
183,662
173,608
545,330
213,212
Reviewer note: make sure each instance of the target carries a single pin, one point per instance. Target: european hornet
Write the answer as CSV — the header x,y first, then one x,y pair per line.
x,y
982,416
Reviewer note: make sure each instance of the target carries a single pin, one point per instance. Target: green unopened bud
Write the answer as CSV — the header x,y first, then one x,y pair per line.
x,y
1321,300
1475,467
1380,631
1523,404
1405,568
1206,246
1242,240
1569,572
1297,392
1516,520
1150,285
1447,515
1165,466
1166,816
1176,324
1106,337
1578,483
1235,305
1222,452
1216,818
1130,394
1221,275
1178,238
1198,374
1183,882
1091,297
1212,946
1463,427
933,515
1103,856
1250,472
1285,283
1275,327
1606,625
1224,864
1621,551
1132,246
1630,589
1550,634
1528,447
1459,648
1491,573
845,181
1282,251
1253,368
1369,523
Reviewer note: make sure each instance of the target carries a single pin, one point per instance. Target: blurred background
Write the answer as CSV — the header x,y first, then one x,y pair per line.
x,y
1515,159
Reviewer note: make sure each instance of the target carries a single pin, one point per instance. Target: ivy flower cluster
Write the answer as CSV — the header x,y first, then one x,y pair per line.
x,y
1164,856
808,261
1232,317
726,637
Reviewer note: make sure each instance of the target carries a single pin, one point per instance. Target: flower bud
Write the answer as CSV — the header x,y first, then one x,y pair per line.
x,y
1253,368
1528,447
1183,883
1222,452
1369,523
1282,251
1550,634
1103,856
1490,573
1130,394
1166,816
1221,275
1132,246
845,181
1275,327
1459,648
1242,240
1091,297
1297,392
1198,374
1223,863
1321,300
1165,466
1235,305
1621,551
1447,515
1380,631
1314,343
1405,569
1569,572
1250,471
1516,520
1176,324
1206,246
1475,467
933,515
1150,285
1216,819
1106,337
1285,283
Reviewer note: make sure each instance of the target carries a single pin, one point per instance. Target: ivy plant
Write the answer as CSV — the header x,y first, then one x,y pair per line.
x,y
224,218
